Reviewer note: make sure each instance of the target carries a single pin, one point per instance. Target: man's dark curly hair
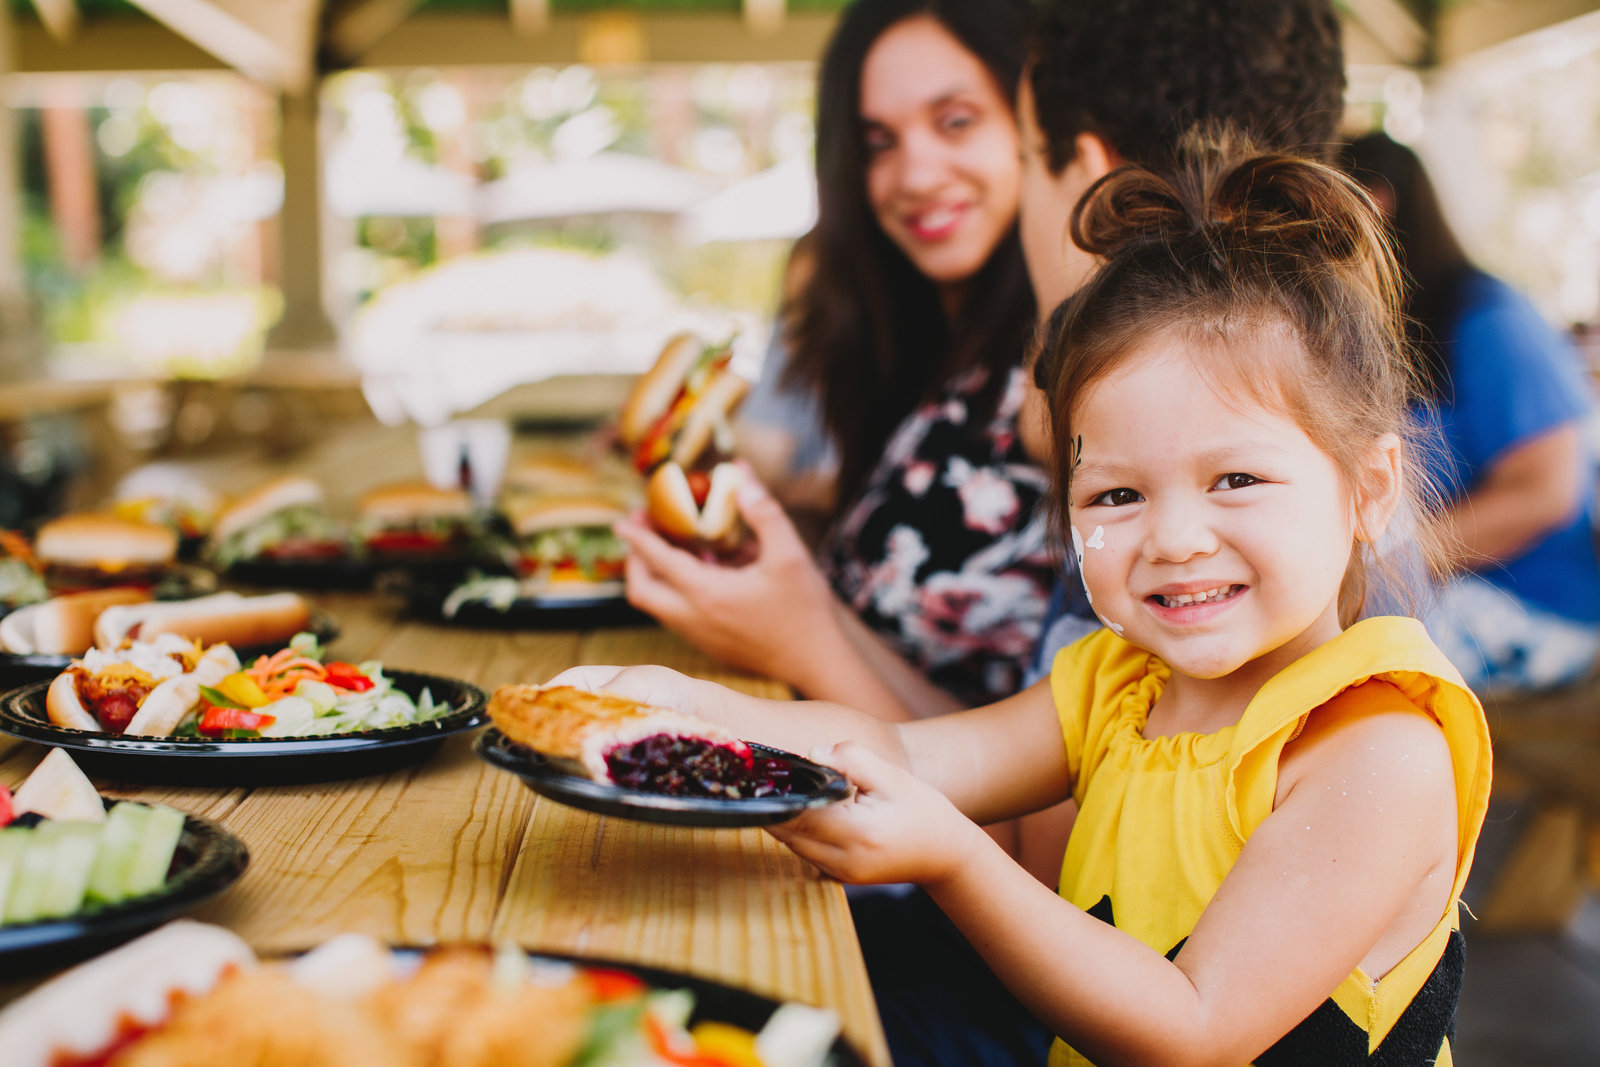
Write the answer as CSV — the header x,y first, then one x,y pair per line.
x,y
1139,73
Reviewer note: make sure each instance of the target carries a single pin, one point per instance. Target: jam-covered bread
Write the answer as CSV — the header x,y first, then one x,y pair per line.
x,y
611,738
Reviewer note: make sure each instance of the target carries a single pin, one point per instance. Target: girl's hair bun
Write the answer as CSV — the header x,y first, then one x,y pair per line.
x,y
1224,198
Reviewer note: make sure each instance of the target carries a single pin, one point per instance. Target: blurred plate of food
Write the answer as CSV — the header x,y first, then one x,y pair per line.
x,y
608,754
192,992
170,495
80,872
170,710
281,534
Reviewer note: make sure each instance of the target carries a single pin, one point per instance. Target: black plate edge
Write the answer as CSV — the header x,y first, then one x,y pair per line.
x,y
606,799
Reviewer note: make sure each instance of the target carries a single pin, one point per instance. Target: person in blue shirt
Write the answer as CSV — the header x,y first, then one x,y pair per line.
x,y
1514,410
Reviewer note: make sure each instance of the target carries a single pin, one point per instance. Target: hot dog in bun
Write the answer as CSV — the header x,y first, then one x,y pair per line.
x,y
146,688
223,618
63,625
698,509
681,407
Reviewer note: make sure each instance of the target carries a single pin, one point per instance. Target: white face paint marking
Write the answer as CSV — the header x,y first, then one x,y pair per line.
x,y
1077,543
1096,539
1113,627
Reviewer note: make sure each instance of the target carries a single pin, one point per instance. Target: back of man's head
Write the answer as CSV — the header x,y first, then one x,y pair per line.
x,y
1138,73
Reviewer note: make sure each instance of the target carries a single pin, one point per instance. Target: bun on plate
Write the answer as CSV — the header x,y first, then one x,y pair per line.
x,y
681,406
97,549
282,519
551,472
64,625
567,537
698,509
415,517
222,618
145,689
280,494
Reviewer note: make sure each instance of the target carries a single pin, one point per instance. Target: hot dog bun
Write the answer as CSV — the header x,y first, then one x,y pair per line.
x,y
712,409
170,701
78,1015
656,388
63,625
672,509
223,618
61,703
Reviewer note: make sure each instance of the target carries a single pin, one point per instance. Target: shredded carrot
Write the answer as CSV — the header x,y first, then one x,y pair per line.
x,y
279,673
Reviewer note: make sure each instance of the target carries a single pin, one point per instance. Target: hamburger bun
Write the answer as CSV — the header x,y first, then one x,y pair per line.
x,y
104,542
404,502
535,514
670,503
223,618
657,387
289,491
63,625
551,472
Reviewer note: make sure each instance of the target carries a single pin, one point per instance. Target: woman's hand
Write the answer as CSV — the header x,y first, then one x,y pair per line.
x,y
894,829
765,616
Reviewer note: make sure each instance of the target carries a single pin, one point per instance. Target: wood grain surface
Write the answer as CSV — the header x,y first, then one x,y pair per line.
x,y
454,849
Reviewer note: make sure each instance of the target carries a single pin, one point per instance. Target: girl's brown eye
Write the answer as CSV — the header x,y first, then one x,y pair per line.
x,y
1236,480
1116,498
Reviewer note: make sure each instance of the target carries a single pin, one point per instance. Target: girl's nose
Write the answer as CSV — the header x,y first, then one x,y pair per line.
x,y
1177,532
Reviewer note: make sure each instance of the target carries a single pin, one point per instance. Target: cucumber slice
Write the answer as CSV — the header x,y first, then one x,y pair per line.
x,y
119,841
29,892
148,871
12,842
71,860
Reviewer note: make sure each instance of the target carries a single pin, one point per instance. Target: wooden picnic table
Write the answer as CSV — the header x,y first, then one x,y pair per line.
x,y
453,849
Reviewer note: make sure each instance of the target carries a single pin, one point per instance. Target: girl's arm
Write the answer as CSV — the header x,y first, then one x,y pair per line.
x,y
1353,867
993,762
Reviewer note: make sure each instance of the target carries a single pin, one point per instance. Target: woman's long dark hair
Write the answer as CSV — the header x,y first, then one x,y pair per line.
x,y
1429,251
868,335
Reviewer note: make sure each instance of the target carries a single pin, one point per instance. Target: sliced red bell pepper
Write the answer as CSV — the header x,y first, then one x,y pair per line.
x,y
215,720
342,675
613,985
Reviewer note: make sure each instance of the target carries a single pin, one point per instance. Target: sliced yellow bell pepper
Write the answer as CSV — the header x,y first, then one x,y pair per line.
x,y
243,689
732,1045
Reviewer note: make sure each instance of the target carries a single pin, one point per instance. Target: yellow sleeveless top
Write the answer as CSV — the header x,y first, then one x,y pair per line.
x,y
1187,803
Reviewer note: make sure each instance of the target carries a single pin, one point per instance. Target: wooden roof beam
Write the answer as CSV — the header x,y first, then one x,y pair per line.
x,y
59,17
1469,27
530,17
1392,25
352,28
273,43
764,16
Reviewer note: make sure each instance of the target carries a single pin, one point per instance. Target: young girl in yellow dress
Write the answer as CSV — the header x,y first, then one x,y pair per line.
x,y
1278,802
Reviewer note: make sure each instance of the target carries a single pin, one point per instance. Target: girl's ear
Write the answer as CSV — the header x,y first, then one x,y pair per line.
x,y
1379,485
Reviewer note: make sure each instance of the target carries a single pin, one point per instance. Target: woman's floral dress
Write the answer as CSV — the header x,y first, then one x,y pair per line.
x,y
945,552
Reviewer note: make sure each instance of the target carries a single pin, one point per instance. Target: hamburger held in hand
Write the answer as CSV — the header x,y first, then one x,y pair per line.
x,y
677,424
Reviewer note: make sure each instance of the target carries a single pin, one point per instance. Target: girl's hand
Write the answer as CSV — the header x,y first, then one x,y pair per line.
x,y
761,617
660,687
894,829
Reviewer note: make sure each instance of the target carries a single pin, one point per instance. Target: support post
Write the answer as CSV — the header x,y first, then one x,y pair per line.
x,y
300,276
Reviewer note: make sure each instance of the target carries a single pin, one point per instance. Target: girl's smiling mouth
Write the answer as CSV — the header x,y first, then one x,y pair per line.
x,y
1188,605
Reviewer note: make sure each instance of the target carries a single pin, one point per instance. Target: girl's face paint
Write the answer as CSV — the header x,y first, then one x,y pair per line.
x,y
1221,532
1113,627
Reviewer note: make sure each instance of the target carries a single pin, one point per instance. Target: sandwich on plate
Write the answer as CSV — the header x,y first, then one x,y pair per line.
x,y
89,549
284,519
417,519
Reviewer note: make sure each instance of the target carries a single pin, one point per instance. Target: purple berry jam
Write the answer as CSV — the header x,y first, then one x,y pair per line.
x,y
692,767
